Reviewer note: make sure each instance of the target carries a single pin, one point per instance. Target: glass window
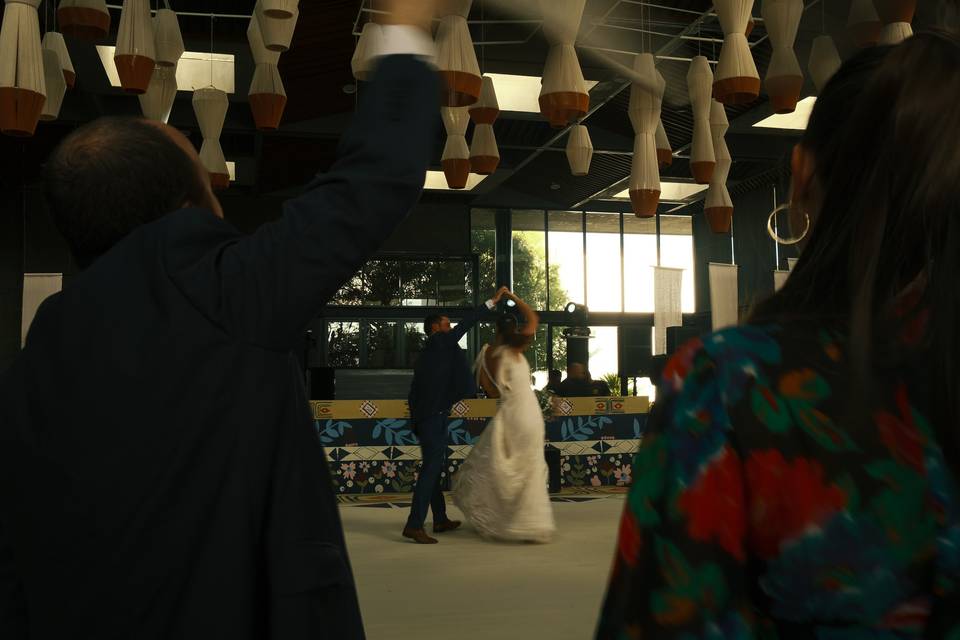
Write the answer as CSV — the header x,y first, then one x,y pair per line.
x,y
676,250
639,256
603,353
603,262
382,342
483,241
529,258
343,344
565,237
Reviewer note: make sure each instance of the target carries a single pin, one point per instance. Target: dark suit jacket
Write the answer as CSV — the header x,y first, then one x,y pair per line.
x,y
442,374
160,475
575,388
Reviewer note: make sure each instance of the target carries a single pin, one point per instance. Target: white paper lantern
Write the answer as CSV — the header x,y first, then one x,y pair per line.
x,y
456,153
280,9
369,44
824,61
261,54
895,33
700,86
22,85
579,150
268,97
56,86
277,33
863,23
135,55
54,41
896,16
784,80
664,150
563,93
645,106
85,19
484,154
456,58
718,206
737,80
210,106
168,39
157,102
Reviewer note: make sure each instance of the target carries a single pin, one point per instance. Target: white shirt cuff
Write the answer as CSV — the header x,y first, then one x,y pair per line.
x,y
491,305
403,39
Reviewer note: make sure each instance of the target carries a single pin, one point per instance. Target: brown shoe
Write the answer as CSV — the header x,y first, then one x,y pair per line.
x,y
419,536
449,525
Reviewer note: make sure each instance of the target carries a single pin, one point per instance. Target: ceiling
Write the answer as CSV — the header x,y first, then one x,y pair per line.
x,y
533,171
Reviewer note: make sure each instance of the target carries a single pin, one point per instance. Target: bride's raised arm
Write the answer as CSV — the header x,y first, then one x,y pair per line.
x,y
530,317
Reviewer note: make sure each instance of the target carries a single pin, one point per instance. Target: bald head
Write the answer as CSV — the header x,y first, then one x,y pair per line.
x,y
115,174
576,371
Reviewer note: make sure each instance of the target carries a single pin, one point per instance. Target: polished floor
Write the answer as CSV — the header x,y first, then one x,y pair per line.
x,y
465,588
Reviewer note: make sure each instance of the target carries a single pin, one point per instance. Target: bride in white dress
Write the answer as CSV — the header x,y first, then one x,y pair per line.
x,y
502,485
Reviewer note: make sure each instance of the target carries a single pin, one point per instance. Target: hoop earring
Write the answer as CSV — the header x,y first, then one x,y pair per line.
x,y
786,241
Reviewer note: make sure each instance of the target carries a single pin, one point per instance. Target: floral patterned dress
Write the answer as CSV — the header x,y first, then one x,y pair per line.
x,y
755,514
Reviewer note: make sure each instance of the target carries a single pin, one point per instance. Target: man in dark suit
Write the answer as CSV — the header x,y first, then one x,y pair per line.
x,y
160,476
577,384
440,378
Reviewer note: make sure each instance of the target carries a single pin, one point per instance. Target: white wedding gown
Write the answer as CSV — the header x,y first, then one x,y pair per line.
x,y
502,485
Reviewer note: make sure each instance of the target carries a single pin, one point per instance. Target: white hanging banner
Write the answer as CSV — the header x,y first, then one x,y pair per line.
x,y
779,279
791,263
667,309
724,295
37,287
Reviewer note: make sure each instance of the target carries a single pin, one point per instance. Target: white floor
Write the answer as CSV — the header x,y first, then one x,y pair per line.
x,y
465,588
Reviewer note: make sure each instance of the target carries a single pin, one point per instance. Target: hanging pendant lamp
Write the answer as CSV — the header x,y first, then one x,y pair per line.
x,y
824,61
456,58
55,85
895,33
157,103
168,39
737,80
784,80
210,106
896,16
579,150
484,154
664,150
136,52
84,19
280,9
645,107
863,23
456,154
563,93
277,33
22,86
718,206
699,84
267,95
54,41
364,56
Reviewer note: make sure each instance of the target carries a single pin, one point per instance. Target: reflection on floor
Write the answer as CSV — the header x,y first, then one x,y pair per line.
x,y
467,588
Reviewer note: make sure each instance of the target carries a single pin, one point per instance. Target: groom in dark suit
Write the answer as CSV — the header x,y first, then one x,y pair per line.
x,y
160,476
441,377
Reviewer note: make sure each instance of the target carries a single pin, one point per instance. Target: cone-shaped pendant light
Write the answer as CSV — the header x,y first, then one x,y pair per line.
x,y
85,19
719,206
824,61
896,16
55,85
563,93
579,150
157,102
168,39
135,55
54,41
22,86
784,80
863,23
484,154
700,84
645,106
456,57
277,33
737,80
280,9
210,106
364,56
456,154
664,150
268,97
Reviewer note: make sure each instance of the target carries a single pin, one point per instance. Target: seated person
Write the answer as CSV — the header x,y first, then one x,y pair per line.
x,y
599,387
577,384
553,381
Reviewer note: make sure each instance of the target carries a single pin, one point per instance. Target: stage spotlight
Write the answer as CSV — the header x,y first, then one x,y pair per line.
x,y
577,314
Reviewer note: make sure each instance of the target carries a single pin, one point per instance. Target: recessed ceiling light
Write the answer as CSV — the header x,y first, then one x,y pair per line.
x,y
555,186
797,120
671,191
436,181
194,71
349,89
520,93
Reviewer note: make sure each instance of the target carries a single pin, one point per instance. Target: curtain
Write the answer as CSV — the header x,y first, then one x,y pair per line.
x,y
37,287
724,295
667,311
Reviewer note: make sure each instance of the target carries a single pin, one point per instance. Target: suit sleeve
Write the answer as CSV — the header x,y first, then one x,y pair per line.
x,y
265,288
468,322
13,612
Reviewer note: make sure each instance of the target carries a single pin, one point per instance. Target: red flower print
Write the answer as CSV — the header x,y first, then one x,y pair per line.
x,y
630,539
681,363
786,499
714,504
900,434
